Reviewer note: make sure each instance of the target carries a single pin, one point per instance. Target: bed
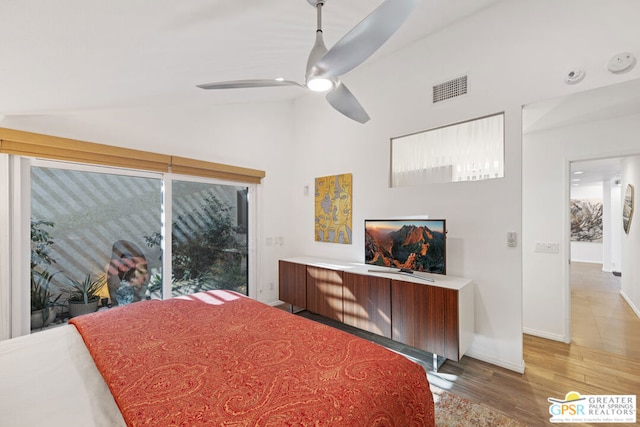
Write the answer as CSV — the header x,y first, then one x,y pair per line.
x,y
215,358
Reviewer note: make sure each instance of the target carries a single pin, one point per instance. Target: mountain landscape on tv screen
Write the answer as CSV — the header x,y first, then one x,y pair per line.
x,y
416,248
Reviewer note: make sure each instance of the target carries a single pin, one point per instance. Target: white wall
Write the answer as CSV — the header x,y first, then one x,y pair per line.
x,y
591,252
631,241
613,263
514,53
546,158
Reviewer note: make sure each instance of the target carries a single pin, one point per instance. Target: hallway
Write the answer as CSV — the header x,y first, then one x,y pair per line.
x,y
600,317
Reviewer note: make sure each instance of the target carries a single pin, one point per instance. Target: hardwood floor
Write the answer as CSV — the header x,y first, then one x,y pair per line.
x,y
603,358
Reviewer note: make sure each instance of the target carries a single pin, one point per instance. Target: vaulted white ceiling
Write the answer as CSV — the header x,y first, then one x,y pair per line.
x,y
72,55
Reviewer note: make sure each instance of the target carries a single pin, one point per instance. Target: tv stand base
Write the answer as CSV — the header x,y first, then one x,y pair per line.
x,y
404,272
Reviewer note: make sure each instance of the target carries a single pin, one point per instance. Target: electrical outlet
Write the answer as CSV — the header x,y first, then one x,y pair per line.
x,y
512,239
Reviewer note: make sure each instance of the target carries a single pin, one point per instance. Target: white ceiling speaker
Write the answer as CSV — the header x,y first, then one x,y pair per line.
x,y
621,63
574,76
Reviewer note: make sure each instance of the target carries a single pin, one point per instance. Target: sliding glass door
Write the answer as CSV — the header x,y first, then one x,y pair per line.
x,y
93,224
209,238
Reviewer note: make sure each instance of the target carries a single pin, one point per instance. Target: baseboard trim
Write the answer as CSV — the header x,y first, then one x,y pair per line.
x,y
543,334
503,364
631,304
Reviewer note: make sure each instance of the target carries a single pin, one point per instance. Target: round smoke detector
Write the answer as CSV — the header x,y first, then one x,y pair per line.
x,y
621,63
574,76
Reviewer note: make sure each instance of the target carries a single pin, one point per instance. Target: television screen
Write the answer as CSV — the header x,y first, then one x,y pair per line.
x,y
409,245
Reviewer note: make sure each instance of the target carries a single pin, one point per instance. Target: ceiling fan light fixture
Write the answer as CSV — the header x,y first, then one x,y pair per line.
x,y
325,67
319,84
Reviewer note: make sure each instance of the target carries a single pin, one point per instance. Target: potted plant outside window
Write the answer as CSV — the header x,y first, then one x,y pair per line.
x,y
85,295
42,301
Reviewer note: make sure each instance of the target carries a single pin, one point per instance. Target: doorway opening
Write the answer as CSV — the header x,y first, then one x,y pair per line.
x,y
600,318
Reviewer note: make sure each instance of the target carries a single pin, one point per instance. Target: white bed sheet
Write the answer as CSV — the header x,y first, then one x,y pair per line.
x,y
49,378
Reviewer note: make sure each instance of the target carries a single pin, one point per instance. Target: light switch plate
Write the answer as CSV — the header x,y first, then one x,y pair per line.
x,y
548,247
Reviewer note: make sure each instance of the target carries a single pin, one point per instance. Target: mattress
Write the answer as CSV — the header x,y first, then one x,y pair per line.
x,y
49,379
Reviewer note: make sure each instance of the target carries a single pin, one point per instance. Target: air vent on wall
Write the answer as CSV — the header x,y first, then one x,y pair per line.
x,y
450,89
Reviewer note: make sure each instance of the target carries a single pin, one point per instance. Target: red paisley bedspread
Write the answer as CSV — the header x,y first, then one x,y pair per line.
x,y
222,359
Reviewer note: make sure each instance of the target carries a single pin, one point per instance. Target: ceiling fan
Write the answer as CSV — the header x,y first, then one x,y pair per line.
x,y
324,67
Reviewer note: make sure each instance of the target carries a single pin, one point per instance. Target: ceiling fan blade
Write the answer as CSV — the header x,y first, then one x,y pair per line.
x,y
343,100
242,84
365,38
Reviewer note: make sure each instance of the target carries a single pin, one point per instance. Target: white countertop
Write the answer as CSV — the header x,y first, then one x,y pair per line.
x,y
440,280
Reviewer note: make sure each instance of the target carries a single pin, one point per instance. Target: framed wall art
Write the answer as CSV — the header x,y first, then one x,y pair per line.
x,y
333,196
627,208
586,220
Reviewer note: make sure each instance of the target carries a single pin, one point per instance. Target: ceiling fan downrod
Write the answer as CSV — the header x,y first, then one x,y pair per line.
x,y
318,5
313,77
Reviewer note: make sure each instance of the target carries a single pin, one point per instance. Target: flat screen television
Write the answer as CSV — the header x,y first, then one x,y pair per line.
x,y
406,244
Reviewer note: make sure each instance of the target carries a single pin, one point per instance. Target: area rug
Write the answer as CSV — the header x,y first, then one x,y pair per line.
x,y
455,411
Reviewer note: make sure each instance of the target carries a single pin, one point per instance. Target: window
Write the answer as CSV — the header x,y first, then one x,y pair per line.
x,y
107,225
468,151
92,225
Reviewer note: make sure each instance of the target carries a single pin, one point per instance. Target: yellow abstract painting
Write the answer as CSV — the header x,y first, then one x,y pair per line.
x,y
333,211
